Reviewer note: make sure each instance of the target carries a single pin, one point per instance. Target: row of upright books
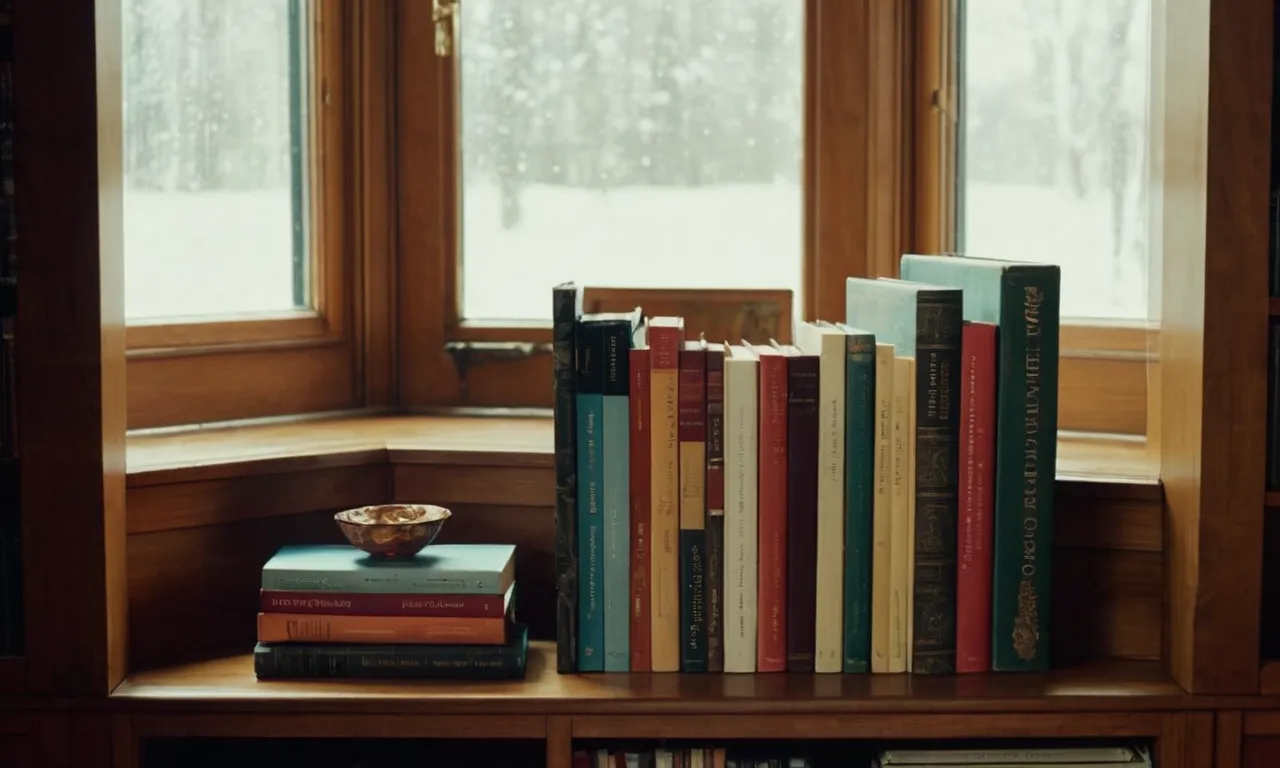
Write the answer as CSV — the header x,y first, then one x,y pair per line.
x,y
333,611
12,624
798,756
877,497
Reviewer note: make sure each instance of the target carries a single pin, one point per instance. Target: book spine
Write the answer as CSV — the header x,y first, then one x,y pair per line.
x,y
466,662
771,590
882,514
664,388
1026,455
1273,405
715,509
459,606
977,476
901,516
741,520
319,628
617,497
590,498
859,458
640,511
802,510
937,428
693,523
566,308
829,593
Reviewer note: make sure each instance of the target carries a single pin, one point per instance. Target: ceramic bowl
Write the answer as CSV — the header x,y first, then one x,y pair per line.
x,y
392,530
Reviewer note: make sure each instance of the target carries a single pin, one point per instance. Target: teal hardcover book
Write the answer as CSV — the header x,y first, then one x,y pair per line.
x,y
439,569
859,448
616,507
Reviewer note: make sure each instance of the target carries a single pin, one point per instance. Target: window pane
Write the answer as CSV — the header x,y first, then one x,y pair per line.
x,y
630,143
1054,144
214,100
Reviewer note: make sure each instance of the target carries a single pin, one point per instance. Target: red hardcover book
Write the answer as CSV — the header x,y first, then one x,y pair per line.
x,y
771,597
352,604
977,480
641,659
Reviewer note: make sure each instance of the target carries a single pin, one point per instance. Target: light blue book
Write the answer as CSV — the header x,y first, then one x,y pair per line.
x,y
439,569
619,338
590,420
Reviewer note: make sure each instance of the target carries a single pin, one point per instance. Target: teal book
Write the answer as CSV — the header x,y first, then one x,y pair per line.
x,y
589,357
1024,300
619,336
439,569
923,322
859,456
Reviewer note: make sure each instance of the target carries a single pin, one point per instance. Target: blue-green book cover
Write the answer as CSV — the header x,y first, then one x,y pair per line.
x,y
439,569
619,336
859,454
590,421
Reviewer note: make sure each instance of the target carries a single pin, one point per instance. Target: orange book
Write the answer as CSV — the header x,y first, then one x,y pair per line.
x,y
771,609
433,630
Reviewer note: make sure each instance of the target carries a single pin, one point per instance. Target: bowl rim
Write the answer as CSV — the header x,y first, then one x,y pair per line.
x,y
437,514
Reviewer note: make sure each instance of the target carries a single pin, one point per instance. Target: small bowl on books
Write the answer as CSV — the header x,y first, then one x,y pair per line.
x,y
392,530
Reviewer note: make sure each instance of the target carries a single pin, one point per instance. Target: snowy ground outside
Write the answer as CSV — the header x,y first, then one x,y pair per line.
x,y
230,253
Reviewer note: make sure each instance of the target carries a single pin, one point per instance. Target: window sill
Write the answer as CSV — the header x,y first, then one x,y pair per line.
x,y
328,463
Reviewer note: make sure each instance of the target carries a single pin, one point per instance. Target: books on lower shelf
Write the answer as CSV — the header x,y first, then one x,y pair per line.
x,y
800,755
333,611
876,497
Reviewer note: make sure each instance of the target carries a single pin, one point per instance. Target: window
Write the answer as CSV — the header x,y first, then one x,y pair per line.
x,y
1050,158
646,143
239,270
634,144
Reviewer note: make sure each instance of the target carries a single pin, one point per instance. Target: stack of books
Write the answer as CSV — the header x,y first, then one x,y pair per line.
x,y
876,497
334,611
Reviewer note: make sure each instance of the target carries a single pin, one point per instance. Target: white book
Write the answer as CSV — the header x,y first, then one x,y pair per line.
x,y
741,455
828,343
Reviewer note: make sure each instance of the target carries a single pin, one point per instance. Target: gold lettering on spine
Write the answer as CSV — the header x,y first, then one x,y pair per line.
x,y
1026,633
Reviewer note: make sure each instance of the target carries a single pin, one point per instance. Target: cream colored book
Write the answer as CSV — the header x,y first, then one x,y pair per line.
x,y
666,334
741,457
882,512
827,342
900,524
911,516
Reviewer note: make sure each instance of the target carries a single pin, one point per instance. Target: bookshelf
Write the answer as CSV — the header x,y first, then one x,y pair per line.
x,y
1167,607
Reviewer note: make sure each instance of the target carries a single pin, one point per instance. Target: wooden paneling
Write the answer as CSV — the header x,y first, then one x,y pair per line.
x,y
1228,734
70,348
1213,334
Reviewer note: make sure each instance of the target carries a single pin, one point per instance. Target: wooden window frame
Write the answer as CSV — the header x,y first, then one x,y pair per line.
x,y
855,218
334,355
1109,371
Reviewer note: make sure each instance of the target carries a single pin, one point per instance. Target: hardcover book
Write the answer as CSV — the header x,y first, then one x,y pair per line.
x,y
439,569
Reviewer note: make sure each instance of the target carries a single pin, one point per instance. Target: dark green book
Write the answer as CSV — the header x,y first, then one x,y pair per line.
x,y
1024,301
566,309
859,494
923,322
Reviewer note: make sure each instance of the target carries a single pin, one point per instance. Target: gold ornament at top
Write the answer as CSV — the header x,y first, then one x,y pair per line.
x,y
442,13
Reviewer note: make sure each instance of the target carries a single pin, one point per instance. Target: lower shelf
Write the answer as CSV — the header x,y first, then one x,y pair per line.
x,y
229,683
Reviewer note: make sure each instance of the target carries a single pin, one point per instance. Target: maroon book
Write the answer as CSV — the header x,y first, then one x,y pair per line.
x,y
459,606
802,508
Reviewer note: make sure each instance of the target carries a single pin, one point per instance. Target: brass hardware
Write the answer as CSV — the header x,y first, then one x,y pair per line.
x,y
442,13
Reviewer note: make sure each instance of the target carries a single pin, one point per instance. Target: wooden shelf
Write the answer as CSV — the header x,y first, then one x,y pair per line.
x,y
1273,499
1273,306
229,684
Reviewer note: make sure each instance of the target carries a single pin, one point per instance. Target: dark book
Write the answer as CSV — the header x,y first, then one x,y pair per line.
x,y
802,507
441,662
566,309
859,448
715,507
1273,406
692,430
923,322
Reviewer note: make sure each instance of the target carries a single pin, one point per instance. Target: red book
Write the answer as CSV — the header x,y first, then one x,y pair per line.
x,y
352,604
641,658
771,597
977,483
